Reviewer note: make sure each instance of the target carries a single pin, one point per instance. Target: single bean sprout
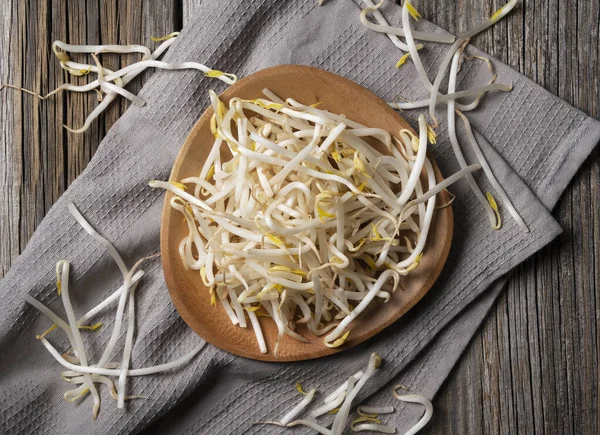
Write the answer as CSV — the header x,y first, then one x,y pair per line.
x,y
373,424
122,49
415,398
93,369
490,175
295,216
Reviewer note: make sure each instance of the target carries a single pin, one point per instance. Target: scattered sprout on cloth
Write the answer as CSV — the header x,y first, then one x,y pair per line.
x,y
452,59
368,418
79,370
415,398
295,216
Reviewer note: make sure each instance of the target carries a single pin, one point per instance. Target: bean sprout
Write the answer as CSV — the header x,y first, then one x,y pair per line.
x,y
415,398
374,9
94,369
365,410
390,30
340,390
340,402
122,49
454,140
370,424
490,175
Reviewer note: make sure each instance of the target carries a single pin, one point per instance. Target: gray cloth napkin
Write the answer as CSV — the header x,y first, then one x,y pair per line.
x,y
534,142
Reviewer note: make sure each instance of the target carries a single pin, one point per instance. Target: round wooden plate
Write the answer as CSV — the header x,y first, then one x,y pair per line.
x,y
307,85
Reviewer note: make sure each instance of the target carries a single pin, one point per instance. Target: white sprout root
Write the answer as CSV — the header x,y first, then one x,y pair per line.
x,y
79,370
295,216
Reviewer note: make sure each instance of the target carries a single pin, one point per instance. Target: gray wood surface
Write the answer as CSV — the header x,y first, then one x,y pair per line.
x,y
533,367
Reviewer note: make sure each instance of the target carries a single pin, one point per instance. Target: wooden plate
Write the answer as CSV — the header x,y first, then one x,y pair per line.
x,y
191,298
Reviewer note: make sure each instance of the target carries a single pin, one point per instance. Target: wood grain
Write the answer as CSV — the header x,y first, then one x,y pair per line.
x,y
533,368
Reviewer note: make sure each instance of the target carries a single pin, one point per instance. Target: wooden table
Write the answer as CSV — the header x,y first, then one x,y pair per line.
x,y
533,367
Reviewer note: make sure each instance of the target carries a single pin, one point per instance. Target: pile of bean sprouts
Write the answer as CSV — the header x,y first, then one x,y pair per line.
x,y
296,216
452,59
110,84
339,402
79,369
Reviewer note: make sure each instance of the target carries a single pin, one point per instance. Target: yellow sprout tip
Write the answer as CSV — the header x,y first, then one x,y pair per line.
x,y
323,214
300,390
431,134
494,206
211,172
500,12
178,185
377,360
413,12
214,73
402,60
279,268
164,38
253,308
275,240
91,327
339,341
